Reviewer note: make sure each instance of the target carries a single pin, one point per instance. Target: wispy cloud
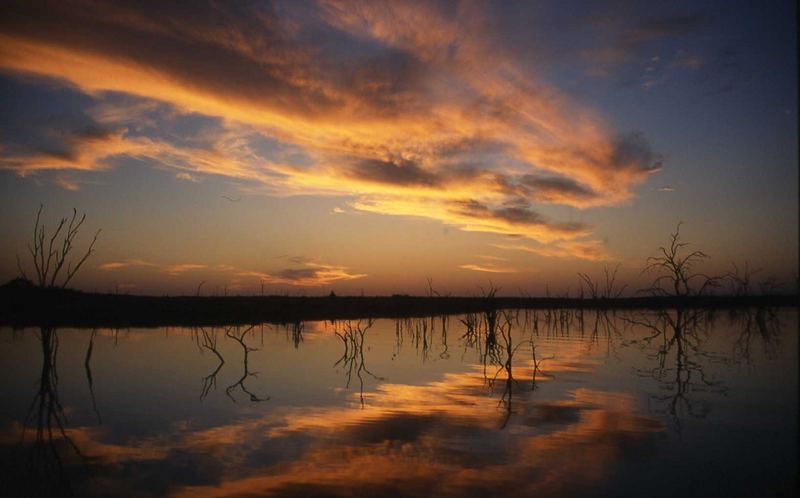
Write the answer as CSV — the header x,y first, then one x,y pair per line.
x,y
309,275
488,268
591,250
117,265
182,268
188,177
430,117
490,257
171,269
623,39
303,273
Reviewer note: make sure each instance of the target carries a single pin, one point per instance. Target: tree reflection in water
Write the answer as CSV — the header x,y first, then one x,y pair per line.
x,y
238,334
682,334
506,345
756,324
208,340
352,359
44,471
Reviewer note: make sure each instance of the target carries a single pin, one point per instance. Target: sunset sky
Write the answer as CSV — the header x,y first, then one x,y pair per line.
x,y
349,146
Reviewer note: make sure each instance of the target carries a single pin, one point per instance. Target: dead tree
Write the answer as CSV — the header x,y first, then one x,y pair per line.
x,y
741,279
50,253
595,291
675,270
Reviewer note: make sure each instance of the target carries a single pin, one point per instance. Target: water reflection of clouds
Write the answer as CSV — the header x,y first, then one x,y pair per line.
x,y
441,436
456,435
451,447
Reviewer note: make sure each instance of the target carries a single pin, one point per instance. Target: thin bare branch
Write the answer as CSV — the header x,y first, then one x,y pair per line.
x,y
50,254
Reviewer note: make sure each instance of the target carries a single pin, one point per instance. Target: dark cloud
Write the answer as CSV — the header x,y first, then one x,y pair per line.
x,y
312,274
95,133
518,216
519,213
556,188
401,172
390,81
297,273
471,208
64,145
633,152
471,146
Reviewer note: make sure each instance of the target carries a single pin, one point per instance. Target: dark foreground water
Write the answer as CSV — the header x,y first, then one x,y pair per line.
x,y
514,404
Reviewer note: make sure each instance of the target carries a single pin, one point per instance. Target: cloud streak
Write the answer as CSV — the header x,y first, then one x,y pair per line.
x,y
308,274
485,268
591,250
410,110
305,273
170,269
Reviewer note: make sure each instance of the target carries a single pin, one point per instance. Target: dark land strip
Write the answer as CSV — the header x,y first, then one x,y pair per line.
x,y
32,306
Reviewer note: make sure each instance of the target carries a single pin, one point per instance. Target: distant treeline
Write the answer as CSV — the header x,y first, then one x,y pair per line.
x,y
22,305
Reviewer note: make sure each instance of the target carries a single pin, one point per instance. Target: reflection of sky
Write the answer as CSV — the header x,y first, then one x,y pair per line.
x,y
369,140
430,423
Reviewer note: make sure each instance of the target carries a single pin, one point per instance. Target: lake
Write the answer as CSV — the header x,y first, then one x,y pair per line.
x,y
513,403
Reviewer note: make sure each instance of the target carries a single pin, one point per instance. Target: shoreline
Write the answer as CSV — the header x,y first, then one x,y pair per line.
x,y
66,307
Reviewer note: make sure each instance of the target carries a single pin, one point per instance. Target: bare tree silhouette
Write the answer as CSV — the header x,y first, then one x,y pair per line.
x,y
674,269
741,279
609,291
50,253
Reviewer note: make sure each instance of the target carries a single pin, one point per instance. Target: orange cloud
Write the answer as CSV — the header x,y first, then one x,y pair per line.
x,y
488,268
172,269
86,149
438,123
117,265
305,274
591,250
182,268
309,275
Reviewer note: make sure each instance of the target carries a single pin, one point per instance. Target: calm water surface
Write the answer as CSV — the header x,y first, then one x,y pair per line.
x,y
513,404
